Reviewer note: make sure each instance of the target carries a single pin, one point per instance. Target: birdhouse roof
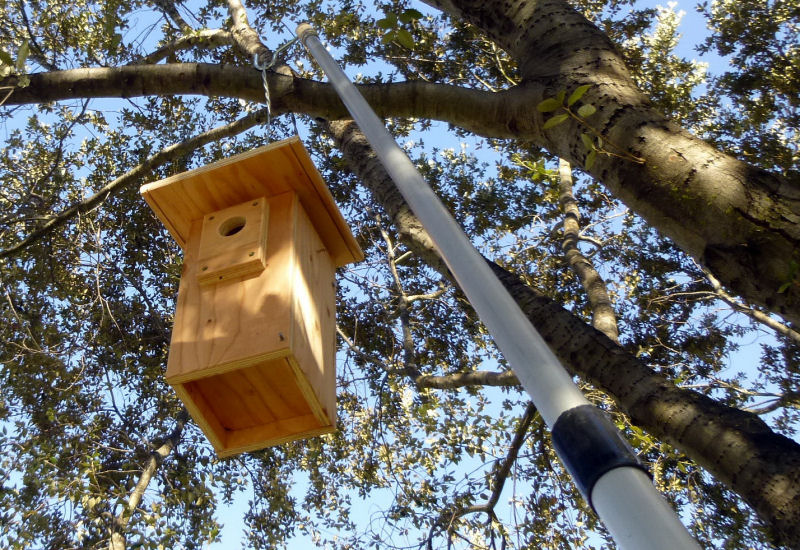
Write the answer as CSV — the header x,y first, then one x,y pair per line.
x,y
264,172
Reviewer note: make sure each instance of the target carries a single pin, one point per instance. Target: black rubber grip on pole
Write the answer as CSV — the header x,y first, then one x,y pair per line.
x,y
590,445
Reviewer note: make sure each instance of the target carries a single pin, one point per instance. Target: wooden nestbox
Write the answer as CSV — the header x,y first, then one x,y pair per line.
x,y
252,354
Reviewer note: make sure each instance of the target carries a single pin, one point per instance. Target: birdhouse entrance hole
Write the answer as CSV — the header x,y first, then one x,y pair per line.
x,y
232,226
253,346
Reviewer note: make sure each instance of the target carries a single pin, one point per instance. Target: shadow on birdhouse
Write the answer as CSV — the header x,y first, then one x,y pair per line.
x,y
253,346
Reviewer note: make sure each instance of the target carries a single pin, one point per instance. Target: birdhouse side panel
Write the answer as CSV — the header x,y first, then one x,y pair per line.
x,y
240,321
314,305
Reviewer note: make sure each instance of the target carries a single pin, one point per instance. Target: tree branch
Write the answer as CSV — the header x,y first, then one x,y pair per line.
x,y
244,35
206,38
462,379
738,448
135,175
604,318
781,328
171,12
500,474
117,541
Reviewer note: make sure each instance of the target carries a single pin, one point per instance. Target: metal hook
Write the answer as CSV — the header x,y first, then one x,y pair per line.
x,y
263,66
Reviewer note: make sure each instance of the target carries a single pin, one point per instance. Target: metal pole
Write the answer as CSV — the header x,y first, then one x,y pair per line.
x,y
588,443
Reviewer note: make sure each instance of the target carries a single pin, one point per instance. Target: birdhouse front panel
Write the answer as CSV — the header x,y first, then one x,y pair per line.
x,y
253,346
254,354
233,241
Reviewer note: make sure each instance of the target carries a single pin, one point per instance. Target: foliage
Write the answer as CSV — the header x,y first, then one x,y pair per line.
x,y
86,310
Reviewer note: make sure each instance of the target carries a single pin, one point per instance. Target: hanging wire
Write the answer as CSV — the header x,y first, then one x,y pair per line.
x,y
264,67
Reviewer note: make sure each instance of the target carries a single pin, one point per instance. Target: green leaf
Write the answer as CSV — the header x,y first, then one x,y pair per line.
x,y
410,15
405,39
388,22
560,96
6,59
590,158
22,55
784,287
578,93
555,121
586,110
549,104
587,141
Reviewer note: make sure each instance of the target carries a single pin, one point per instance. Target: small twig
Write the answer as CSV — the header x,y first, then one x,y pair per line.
x,y
208,38
132,176
751,312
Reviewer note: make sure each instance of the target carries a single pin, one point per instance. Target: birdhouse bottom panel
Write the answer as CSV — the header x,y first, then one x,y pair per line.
x,y
249,408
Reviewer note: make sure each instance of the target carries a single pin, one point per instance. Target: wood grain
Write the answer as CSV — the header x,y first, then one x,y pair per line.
x,y
266,171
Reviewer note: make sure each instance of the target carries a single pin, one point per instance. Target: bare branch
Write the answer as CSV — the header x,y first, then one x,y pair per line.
x,y
446,521
135,175
758,315
117,540
603,317
469,108
206,38
502,470
168,9
462,379
788,399
244,35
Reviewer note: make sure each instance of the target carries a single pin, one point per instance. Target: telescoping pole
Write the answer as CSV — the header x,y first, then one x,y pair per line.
x,y
600,461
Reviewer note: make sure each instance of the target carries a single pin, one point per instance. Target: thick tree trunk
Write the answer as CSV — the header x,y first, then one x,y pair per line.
x,y
736,447
739,221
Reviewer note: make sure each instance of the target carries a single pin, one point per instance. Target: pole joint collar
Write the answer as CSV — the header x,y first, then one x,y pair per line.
x,y
590,445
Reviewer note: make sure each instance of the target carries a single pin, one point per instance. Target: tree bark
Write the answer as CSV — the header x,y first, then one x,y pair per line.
x,y
603,317
739,221
120,522
737,448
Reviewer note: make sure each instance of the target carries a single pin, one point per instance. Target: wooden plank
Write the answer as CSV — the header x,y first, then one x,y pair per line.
x,y
233,242
274,381
202,414
239,323
313,319
266,171
277,433
318,202
233,401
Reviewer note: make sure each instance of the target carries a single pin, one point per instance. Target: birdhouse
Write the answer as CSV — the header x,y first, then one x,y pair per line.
x,y
252,354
